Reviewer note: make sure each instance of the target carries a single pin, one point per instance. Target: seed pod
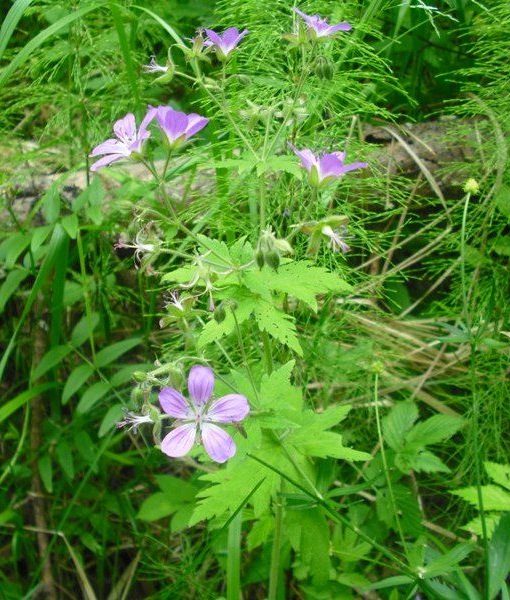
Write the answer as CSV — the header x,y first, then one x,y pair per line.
x,y
272,259
219,313
259,259
137,395
324,68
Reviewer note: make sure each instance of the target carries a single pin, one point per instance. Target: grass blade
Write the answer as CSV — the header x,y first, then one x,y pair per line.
x,y
10,22
58,239
39,39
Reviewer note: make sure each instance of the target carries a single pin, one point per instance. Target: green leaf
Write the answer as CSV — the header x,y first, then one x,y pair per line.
x,y
299,279
329,445
92,396
180,490
216,250
71,225
502,200
308,532
475,525
274,164
46,472
434,430
394,581
110,353
425,462
260,532
12,247
65,458
448,562
51,359
39,235
12,405
276,390
11,285
50,205
499,556
76,379
397,423
157,506
493,497
214,331
11,20
233,484
86,448
501,245
84,328
180,275
278,324
113,415
499,473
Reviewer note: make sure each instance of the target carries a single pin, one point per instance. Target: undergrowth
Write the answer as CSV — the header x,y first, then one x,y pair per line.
x,y
364,320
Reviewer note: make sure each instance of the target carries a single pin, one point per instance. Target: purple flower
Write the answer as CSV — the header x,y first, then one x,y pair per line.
x,y
323,168
336,238
177,126
224,42
197,417
318,27
128,141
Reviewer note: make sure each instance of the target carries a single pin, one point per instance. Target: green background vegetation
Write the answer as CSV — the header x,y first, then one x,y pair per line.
x,y
421,91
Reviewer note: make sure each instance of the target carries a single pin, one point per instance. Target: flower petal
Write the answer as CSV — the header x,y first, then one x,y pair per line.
x,y
146,121
174,404
195,124
110,146
354,166
308,160
200,383
330,165
214,37
228,409
106,160
125,129
217,443
179,441
345,26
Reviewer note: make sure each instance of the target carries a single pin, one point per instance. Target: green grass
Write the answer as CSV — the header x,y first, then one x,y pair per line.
x,y
84,507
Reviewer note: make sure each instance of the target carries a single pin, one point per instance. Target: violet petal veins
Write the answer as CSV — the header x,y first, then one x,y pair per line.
x,y
319,27
196,419
177,126
128,141
325,167
224,43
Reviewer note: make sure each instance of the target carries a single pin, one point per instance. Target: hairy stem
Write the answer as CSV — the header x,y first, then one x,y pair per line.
x,y
274,572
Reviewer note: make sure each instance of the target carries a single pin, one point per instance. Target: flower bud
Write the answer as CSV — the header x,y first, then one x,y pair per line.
x,y
175,376
471,186
139,376
137,395
377,367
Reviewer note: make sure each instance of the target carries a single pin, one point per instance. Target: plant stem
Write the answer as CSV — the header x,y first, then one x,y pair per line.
x,y
474,393
262,204
385,463
274,573
234,558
